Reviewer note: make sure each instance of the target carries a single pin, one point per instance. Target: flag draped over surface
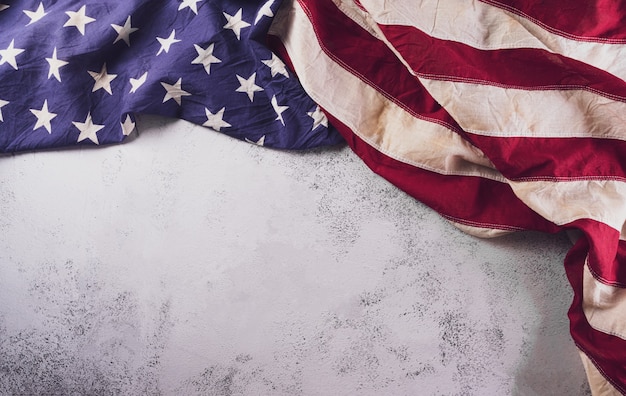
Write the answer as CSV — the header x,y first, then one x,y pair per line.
x,y
502,116
77,72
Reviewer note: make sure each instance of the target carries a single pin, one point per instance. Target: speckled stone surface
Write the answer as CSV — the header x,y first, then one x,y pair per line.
x,y
188,263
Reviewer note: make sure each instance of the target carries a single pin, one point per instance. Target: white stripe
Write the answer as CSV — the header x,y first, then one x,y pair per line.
x,y
487,27
471,22
377,120
480,231
604,306
598,384
563,202
495,111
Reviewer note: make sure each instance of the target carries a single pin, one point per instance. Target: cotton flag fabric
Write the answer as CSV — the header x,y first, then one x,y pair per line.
x,y
78,72
502,116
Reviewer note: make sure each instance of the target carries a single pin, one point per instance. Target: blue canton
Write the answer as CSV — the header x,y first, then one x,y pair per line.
x,y
77,72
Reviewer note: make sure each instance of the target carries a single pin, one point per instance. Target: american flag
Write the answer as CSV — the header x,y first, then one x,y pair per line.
x,y
502,116
77,72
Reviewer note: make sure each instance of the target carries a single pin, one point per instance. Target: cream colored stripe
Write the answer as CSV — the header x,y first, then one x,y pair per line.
x,y
481,231
375,118
604,305
494,111
562,202
598,384
484,26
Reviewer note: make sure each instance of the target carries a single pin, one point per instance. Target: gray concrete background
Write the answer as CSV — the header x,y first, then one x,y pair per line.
x,y
187,263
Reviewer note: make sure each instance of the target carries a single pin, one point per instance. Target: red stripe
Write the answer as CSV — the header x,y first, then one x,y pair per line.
x,y
468,200
344,40
358,4
605,350
597,20
617,267
525,158
524,68
606,252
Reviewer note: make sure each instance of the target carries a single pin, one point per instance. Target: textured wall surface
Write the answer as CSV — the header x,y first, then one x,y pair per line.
x,y
187,263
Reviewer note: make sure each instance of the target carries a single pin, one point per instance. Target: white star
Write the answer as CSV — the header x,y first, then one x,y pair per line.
x,y
8,55
102,80
276,65
215,121
174,91
55,65
167,43
128,126
248,86
205,57
35,15
260,142
43,117
265,10
192,4
123,32
319,118
88,130
279,109
235,23
78,19
135,83
2,104
3,7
